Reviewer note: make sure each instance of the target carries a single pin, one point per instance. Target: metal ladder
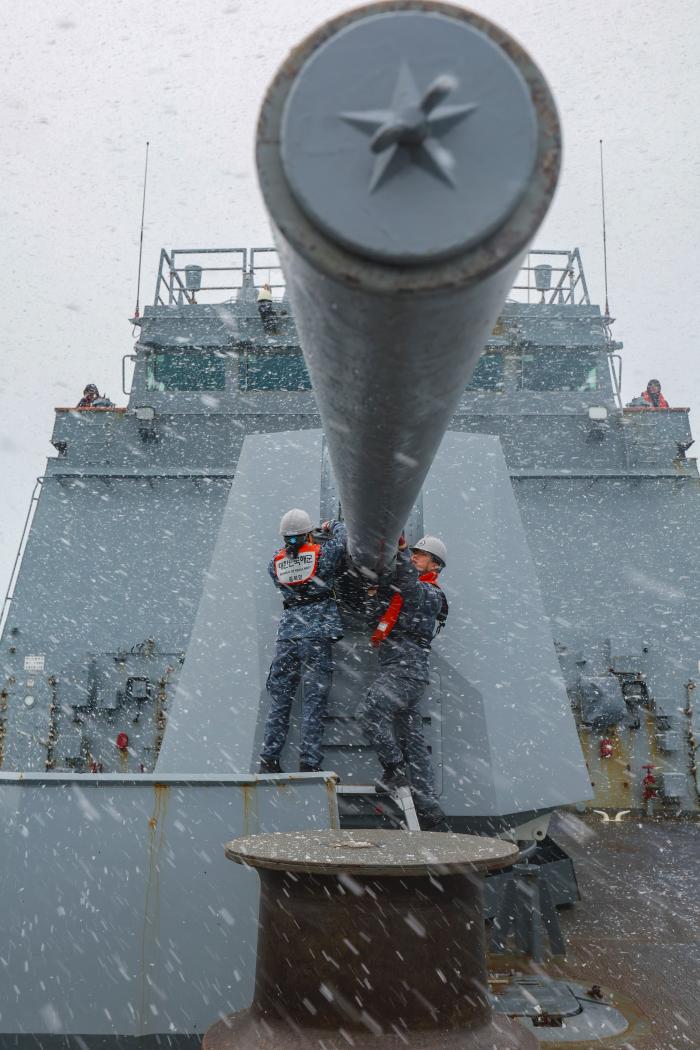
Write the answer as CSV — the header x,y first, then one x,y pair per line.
x,y
404,799
401,796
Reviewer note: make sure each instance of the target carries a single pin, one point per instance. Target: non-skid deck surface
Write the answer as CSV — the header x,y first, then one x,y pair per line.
x,y
636,932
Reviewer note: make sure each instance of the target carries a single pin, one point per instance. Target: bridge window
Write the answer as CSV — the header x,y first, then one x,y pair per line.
x,y
488,374
187,370
273,372
559,370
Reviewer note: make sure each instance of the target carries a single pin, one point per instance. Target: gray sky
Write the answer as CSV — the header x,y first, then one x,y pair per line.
x,y
84,85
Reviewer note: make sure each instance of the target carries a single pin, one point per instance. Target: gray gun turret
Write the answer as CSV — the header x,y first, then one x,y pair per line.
x,y
407,153
402,203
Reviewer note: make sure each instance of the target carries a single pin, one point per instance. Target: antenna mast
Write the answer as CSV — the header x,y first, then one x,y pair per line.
x,y
143,213
605,240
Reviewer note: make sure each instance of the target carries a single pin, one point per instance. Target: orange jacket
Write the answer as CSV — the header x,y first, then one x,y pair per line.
x,y
663,403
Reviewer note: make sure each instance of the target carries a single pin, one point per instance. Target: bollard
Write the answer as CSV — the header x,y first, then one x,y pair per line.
x,y
370,939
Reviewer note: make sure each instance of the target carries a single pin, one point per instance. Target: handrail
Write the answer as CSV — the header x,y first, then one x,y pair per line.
x,y
628,409
10,593
570,287
171,290
125,358
616,376
119,410
571,275
577,256
165,258
140,474
279,283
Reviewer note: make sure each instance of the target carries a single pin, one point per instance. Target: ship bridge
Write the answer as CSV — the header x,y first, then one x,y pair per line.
x,y
205,352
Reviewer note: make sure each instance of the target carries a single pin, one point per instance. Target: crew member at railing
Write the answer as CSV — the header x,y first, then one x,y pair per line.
x,y
267,310
653,396
650,398
92,398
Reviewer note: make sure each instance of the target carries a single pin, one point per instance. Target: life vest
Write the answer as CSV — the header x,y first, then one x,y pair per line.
x,y
393,610
663,403
292,572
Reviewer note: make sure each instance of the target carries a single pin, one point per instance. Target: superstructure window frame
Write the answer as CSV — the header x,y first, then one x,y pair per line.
x,y
187,370
255,377
489,374
558,370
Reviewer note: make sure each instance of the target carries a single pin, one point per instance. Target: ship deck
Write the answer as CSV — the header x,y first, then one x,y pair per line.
x,y
636,930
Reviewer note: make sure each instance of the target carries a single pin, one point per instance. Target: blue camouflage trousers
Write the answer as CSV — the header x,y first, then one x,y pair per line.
x,y
305,661
391,719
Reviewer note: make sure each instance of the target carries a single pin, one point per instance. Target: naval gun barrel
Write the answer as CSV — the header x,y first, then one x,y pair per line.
x,y
407,153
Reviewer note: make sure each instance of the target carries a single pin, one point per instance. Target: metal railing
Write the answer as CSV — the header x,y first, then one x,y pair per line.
x,y
552,277
191,275
265,269
10,593
187,276
615,366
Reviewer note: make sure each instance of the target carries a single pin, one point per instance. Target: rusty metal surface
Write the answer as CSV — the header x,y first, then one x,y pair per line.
x,y
372,852
249,1032
636,931
370,961
133,864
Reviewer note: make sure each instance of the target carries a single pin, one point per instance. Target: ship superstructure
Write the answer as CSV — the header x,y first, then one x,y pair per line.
x,y
116,561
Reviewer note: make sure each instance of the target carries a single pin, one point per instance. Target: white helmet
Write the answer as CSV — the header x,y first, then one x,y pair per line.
x,y
295,523
432,545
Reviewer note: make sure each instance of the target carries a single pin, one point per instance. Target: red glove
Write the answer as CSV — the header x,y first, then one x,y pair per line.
x,y
380,634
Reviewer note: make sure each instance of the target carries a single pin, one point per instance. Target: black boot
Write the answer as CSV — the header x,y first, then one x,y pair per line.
x,y
434,822
304,767
270,765
392,778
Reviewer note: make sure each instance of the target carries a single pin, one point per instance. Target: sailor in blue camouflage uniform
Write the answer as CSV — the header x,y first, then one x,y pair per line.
x,y
390,717
304,571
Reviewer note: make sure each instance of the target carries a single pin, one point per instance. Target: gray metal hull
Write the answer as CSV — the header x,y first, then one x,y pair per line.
x,y
126,918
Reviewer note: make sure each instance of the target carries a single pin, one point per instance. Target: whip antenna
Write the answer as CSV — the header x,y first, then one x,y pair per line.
x,y
143,213
605,240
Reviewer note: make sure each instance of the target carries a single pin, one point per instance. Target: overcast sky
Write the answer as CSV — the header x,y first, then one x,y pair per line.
x,y
84,85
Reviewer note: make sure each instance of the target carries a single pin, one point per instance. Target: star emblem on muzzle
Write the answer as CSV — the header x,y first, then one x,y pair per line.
x,y
410,129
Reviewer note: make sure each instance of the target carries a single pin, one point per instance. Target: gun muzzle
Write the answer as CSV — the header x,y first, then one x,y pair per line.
x,y
407,153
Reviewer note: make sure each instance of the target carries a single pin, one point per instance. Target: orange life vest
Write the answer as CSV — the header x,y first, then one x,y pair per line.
x,y
663,403
391,615
294,571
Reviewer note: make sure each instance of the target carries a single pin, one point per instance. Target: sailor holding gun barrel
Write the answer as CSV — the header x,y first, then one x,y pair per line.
x,y
304,571
390,717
